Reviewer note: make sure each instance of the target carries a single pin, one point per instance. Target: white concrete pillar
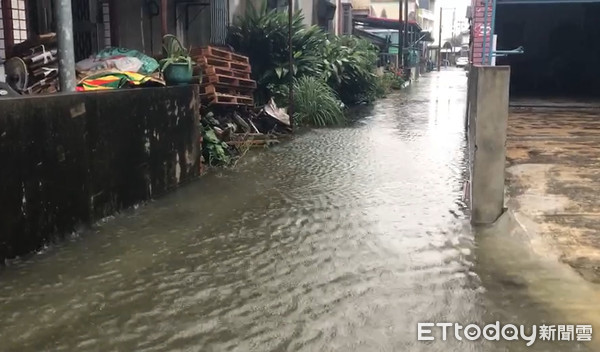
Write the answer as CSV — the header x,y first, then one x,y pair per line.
x,y
488,120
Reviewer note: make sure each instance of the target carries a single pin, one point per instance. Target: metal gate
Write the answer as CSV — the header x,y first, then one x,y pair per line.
x,y
85,28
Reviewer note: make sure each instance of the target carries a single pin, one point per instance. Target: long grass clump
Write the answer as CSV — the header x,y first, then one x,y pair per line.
x,y
316,104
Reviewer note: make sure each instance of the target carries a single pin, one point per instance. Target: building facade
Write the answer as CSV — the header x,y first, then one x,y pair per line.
x,y
323,13
136,24
426,15
390,9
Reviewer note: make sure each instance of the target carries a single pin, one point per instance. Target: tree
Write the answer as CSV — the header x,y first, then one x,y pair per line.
x,y
456,41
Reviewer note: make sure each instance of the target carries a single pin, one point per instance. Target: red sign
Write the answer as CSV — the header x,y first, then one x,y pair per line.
x,y
482,30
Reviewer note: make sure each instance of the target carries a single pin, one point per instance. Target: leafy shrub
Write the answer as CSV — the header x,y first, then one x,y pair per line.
x,y
345,63
349,63
316,104
389,81
280,93
383,85
215,151
397,82
262,35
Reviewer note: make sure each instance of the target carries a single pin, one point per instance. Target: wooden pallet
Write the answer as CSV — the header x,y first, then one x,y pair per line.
x,y
211,70
230,65
225,89
240,58
227,99
231,81
211,51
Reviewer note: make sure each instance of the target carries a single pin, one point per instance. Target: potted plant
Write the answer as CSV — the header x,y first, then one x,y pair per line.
x,y
176,66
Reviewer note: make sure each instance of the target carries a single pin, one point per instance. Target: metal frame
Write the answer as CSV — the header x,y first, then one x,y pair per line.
x,y
3,49
500,53
188,4
9,40
493,30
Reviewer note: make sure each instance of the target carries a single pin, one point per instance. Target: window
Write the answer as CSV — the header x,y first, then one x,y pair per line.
x,y
106,22
13,24
2,43
19,21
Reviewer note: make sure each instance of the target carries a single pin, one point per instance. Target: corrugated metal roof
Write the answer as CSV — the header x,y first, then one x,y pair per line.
x,y
384,23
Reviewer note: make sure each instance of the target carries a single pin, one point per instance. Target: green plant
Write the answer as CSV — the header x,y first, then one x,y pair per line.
x,y
216,152
174,53
397,82
383,85
349,65
262,35
316,104
280,93
346,63
387,82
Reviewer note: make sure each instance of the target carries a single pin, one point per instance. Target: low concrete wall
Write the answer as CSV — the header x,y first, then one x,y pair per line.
x,y
73,159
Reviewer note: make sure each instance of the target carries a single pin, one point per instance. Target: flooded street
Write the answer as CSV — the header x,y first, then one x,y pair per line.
x,y
341,240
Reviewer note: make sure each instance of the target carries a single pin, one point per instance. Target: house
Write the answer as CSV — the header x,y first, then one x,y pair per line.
x,y
324,13
426,15
390,9
419,11
140,24
134,24
388,15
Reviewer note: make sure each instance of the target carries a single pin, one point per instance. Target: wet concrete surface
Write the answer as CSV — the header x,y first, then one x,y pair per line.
x,y
554,157
341,240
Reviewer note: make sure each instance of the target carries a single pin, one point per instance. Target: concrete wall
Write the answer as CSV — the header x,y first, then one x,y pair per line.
x,y
308,8
73,159
149,40
238,8
130,23
487,104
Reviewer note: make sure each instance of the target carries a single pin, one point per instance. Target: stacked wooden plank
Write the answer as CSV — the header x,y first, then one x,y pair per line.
x,y
225,77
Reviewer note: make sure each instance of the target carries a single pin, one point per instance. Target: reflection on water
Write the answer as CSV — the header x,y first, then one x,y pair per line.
x,y
342,240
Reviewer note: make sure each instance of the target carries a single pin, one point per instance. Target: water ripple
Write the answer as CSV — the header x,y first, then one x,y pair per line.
x,y
339,241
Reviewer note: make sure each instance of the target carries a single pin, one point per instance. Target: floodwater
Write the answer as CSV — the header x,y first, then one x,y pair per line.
x,y
341,240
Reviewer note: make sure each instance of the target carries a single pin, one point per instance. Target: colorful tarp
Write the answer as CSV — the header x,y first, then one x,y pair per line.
x,y
149,64
116,80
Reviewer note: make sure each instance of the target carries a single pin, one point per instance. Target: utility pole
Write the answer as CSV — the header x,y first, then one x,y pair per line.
x,y
66,50
164,29
405,37
399,57
439,59
291,66
453,30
